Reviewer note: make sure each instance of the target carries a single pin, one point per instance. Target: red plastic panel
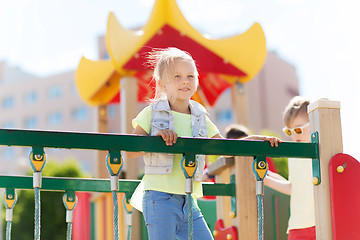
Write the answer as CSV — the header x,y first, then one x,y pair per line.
x,y
146,87
211,84
81,222
167,36
345,197
222,233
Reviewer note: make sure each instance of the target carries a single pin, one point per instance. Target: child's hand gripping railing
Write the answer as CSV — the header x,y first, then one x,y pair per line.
x,y
107,142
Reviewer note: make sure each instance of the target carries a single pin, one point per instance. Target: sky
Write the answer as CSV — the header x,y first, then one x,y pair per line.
x,y
320,38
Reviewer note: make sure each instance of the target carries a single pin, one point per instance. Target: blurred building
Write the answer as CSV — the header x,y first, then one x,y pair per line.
x,y
266,95
53,103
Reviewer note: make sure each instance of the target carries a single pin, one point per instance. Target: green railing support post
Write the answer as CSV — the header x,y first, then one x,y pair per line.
x,y
114,163
233,198
260,167
10,199
70,200
316,160
189,165
37,160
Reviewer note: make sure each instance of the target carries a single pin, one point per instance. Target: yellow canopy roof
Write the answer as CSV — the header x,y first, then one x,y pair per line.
x,y
245,52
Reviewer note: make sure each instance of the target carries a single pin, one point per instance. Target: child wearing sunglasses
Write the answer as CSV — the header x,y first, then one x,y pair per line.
x,y
299,186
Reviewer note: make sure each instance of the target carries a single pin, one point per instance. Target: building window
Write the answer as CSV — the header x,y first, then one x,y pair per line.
x,y
8,124
112,110
80,113
106,55
55,92
74,90
55,118
224,116
8,153
31,122
8,102
26,150
30,97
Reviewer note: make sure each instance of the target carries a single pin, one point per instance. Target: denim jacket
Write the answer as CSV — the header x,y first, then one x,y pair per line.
x,y
162,118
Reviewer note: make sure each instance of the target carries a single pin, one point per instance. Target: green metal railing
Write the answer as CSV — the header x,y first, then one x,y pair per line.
x,y
98,185
96,141
114,143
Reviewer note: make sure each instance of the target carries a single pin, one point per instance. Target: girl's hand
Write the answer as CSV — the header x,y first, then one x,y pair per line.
x,y
274,141
168,136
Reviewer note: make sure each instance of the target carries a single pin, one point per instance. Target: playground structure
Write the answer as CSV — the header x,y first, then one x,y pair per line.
x,y
124,76
328,182
220,66
327,143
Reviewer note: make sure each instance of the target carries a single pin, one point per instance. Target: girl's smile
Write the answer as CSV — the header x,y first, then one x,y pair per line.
x,y
182,82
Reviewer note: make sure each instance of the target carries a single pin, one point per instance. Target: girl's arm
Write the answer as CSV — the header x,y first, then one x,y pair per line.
x,y
274,141
275,175
137,131
278,183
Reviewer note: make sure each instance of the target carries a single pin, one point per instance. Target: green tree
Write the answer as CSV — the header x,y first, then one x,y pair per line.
x,y
53,213
281,165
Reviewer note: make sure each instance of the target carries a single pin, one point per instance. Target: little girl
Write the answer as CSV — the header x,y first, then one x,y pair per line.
x,y
173,114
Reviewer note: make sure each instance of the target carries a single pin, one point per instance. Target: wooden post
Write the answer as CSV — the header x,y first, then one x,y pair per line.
x,y
222,169
324,118
246,205
239,100
128,111
102,127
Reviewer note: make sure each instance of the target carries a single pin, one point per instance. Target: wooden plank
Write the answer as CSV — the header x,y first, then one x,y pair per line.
x,y
128,111
239,101
223,204
324,118
220,164
246,205
102,127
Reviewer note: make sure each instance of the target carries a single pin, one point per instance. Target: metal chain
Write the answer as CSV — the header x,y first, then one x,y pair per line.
x,y
190,216
69,231
37,214
260,213
115,215
8,230
129,233
128,217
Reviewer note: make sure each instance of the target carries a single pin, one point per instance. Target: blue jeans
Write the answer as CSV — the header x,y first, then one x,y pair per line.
x,y
166,217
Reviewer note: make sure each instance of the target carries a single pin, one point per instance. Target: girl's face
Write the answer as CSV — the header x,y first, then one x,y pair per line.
x,y
297,122
181,82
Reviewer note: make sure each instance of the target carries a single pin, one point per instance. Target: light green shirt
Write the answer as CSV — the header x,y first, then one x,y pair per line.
x,y
175,181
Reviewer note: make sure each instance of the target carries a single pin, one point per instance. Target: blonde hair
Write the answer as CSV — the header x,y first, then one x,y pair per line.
x,y
162,60
296,107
